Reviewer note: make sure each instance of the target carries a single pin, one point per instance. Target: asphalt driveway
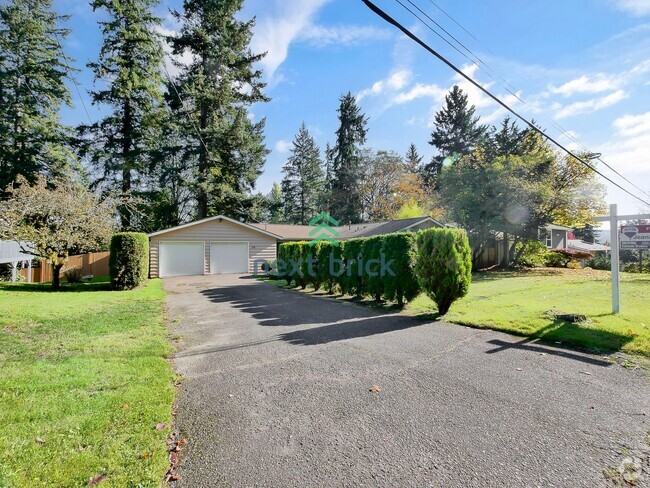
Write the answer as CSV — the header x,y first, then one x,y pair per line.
x,y
277,392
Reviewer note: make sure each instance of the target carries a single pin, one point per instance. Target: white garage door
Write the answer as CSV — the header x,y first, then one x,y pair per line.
x,y
228,257
181,258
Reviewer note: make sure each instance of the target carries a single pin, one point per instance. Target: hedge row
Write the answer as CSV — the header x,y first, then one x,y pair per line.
x,y
395,267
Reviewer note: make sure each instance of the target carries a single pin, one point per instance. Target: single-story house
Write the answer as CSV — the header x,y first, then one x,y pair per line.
x,y
11,252
221,245
553,236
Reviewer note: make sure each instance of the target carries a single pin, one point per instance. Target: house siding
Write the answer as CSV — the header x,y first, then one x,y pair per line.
x,y
260,246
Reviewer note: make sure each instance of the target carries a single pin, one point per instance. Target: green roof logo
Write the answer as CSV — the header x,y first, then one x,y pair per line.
x,y
323,229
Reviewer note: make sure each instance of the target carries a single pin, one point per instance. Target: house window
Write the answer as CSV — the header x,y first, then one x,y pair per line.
x,y
546,238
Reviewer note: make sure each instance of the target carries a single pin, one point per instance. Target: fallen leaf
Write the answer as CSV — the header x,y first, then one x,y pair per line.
x,y
125,406
97,480
374,389
145,455
40,441
160,426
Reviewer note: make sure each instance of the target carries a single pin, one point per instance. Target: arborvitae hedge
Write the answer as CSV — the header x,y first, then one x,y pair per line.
x,y
353,277
403,285
437,261
129,260
444,265
371,251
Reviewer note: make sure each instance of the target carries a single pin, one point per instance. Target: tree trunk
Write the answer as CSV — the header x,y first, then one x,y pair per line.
x,y
56,276
202,194
506,252
127,164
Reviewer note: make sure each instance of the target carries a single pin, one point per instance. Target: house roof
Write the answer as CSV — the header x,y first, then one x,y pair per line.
x,y
301,232
556,227
586,246
217,217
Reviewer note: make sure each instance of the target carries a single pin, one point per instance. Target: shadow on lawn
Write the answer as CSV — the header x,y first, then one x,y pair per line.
x,y
564,336
47,287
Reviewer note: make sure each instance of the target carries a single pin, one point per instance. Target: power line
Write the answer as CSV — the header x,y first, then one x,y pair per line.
x,y
562,130
409,34
74,82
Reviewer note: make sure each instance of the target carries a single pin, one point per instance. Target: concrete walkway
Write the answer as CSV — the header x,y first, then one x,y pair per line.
x,y
277,393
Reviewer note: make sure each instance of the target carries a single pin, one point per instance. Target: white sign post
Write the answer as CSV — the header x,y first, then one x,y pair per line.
x,y
613,218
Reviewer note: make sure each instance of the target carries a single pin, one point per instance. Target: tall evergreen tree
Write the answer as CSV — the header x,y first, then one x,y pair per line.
x,y
275,204
130,66
413,160
457,131
303,181
345,199
33,70
226,147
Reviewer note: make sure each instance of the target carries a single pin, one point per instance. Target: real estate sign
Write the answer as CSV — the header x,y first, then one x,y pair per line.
x,y
635,236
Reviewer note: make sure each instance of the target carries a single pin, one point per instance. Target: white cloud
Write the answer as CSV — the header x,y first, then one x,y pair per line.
x,y
586,84
633,125
320,35
421,90
283,146
589,106
395,81
275,33
635,7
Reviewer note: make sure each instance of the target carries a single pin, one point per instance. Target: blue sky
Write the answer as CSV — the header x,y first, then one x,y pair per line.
x,y
583,65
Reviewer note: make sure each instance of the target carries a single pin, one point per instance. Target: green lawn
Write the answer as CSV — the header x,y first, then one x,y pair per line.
x,y
84,383
516,303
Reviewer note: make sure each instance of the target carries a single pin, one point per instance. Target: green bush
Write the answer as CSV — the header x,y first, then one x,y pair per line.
x,y
531,254
444,265
374,282
74,275
353,278
129,260
338,253
554,260
402,284
303,250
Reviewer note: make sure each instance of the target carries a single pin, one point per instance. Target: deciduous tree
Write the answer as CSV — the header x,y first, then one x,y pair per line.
x,y
57,221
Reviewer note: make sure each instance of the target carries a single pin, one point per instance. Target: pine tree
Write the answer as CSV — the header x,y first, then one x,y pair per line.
x,y
219,86
303,182
275,204
33,70
508,139
413,160
457,131
129,64
345,200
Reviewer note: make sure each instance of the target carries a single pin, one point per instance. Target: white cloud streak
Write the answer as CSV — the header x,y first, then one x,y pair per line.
x,y
591,105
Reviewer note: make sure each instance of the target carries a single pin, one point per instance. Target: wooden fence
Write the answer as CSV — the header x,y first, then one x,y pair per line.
x,y
94,263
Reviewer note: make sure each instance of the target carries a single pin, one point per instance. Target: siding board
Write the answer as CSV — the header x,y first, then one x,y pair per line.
x,y
260,246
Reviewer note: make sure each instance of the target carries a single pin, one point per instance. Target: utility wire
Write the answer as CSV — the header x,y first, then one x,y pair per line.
x,y
74,82
415,38
562,130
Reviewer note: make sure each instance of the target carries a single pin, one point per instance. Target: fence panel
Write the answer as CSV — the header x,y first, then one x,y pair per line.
x,y
94,263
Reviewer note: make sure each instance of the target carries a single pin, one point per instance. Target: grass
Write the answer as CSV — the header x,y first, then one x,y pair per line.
x,y
516,302
84,384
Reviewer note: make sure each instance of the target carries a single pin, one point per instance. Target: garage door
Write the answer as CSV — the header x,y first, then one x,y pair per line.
x,y
228,257
181,258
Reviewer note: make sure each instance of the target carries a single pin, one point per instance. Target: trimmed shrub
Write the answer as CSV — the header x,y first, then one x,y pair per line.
x,y
323,250
129,260
316,279
353,277
371,250
74,275
403,284
303,249
444,265
567,258
531,254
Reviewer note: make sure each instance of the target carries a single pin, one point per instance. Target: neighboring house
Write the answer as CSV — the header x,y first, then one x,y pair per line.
x,y
553,236
11,253
220,245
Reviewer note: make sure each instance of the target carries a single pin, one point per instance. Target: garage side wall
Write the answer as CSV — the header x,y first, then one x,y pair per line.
x,y
260,246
